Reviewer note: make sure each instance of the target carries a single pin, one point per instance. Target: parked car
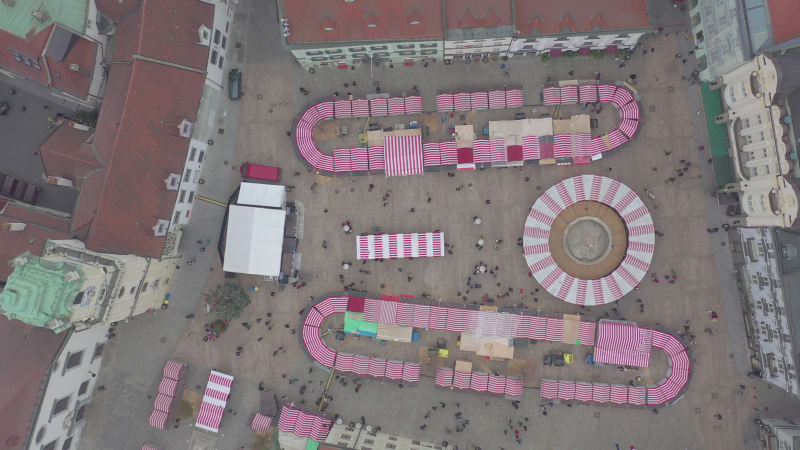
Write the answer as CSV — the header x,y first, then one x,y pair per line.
x,y
235,84
260,172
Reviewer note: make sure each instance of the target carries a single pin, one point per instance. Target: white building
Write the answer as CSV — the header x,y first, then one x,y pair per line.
x,y
354,436
778,434
765,263
49,384
217,40
475,30
758,144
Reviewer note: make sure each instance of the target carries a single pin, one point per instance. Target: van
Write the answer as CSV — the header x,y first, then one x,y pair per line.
x,y
235,84
260,172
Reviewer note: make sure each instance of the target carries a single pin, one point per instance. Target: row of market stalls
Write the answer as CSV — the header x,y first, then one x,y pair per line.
x,y
640,236
617,343
405,245
627,344
167,391
509,143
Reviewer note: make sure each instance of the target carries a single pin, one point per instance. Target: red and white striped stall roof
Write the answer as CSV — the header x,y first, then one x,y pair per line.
x,y
343,108
361,364
162,402
403,155
413,104
173,369
361,107
481,151
430,154
304,424
213,406
377,367
210,416
444,377
378,107
345,362
569,94
497,384
513,388
168,386
332,305
462,101
628,127
514,98
530,148
588,93
449,153
394,369
461,380
583,391
586,332
316,347
601,392
641,240
479,100
616,138
411,372
148,447
158,419
551,95
497,150
637,396
376,158
630,111
444,102
479,382
562,145
622,343
341,160
549,389
618,394
359,159
397,106
497,100
406,245
566,390
260,423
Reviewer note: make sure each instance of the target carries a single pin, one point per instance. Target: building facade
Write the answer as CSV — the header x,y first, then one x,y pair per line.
x,y
69,286
342,34
778,434
758,144
764,267
59,45
69,390
353,435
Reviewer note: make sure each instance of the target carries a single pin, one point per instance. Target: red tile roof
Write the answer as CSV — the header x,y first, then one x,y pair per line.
x,y
551,17
31,48
478,13
27,352
396,20
169,31
147,148
88,200
35,216
67,154
783,16
83,53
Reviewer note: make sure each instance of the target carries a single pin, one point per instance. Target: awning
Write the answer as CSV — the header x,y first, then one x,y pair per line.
x,y
216,395
260,423
254,240
405,245
611,49
403,155
555,53
584,51
623,343
258,194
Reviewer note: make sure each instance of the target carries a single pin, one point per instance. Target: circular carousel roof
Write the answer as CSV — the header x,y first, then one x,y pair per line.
x,y
589,240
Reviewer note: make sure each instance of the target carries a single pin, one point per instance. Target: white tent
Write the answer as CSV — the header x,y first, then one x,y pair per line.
x,y
257,194
254,240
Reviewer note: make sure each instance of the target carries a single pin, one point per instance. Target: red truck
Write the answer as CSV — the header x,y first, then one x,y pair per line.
x,y
260,172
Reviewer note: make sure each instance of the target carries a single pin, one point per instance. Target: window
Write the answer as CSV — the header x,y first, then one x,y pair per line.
x,y
357,49
80,414
17,56
333,52
379,47
380,54
98,351
133,289
84,387
429,52
201,156
217,35
187,175
221,61
60,406
26,60
405,46
214,55
144,286
191,197
407,53
67,444
182,196
319,58
74,360
121,292
36,64
78,298
177,215
314,53
50,446
224,41
166,282
192,153
592,37
156,283
432,45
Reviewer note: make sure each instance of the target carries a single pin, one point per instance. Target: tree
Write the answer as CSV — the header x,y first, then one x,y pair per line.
x,y
228,301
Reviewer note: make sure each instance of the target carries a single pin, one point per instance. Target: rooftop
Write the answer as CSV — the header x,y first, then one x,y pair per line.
x,y
27,353
478,13
71,61
573,16
783,16
19,21
68,154
40,293
15,243
365,20
146,148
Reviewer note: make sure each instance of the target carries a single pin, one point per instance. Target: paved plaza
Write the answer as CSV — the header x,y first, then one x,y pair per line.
x,y
681,209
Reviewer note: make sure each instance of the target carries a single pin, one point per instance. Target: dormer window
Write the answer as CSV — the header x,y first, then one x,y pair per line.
x,y
205,34
185,128
415,17
328,24
173,181
160,228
